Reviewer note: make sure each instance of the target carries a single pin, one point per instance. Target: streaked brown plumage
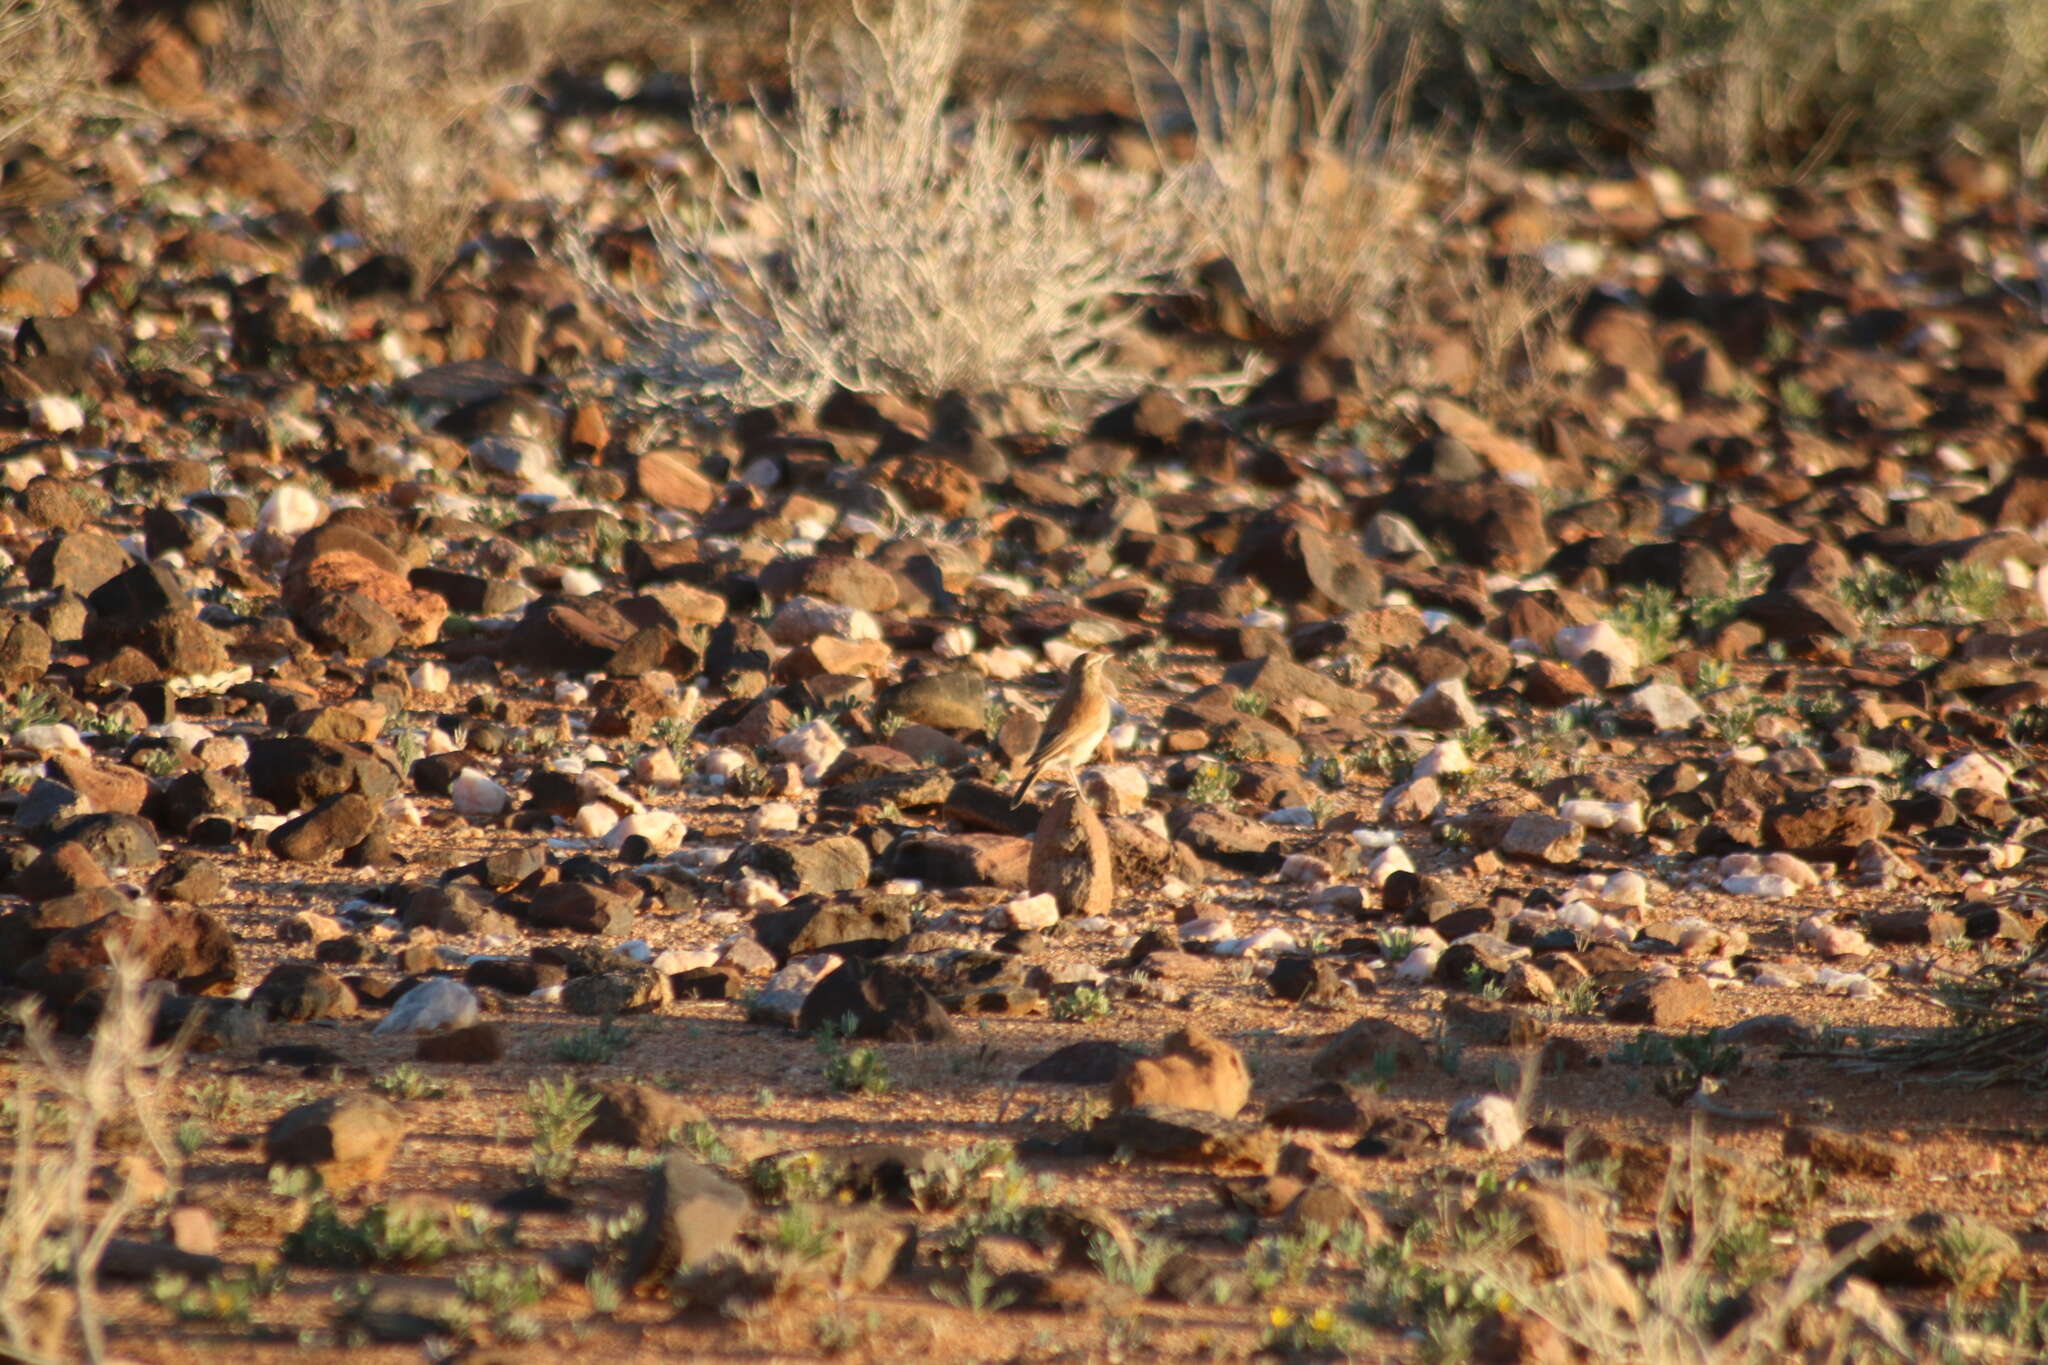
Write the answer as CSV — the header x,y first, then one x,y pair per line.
x,y
1077,726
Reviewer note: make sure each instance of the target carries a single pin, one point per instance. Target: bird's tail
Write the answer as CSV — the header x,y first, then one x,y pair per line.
x,y
1031,772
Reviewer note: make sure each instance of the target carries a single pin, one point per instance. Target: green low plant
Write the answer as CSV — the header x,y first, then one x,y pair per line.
x,y
976,1292
407,1082
1212,783
1083,1004
560,1111
230,1297
600,1043
851,1070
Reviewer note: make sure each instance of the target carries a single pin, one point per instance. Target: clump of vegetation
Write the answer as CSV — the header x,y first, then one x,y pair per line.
x,y
1083,1004
597,1044
560,1111
1303,174
407,1082
1649,616
227,1298
908,248
56,1213
1729,84
1997,1032
383,1236
851,1070
409,99
1213,783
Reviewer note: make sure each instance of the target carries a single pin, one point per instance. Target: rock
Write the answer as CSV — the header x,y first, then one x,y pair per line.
x,y
77,563
964,860
1189,1136
1367,1046
294,773
115,841
1842,1152
837,862
671,479
1660,706
348,1140
335,825
1538,838
1326,1207
1331,1107
627,990
477,1045
1071,859
25,650
1970,772
1193,1071
637,1117
297,992
782,996
1395,1137
1412,803
1671,1003
1488,1123
38,288
476,797
350,623
1829,824
580,906
1442,706
1094,1061
1231,840
1312,981
866,929
434,1006
955,700
1297,562
1932,1250
881,1001
173,943
1800,613
1027,914
692,1215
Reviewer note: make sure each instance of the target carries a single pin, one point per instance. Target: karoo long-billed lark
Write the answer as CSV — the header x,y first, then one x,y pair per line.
x,y
1078,724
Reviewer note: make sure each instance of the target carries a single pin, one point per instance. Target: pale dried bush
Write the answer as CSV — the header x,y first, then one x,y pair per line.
x,y
62,1110
876,240
1513,311
1727,84
1665,1318
49,65
410,100
1304,172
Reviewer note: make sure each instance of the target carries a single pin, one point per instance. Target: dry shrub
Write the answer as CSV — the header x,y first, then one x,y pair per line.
x,y
408,99
1666,1318
875,240
62,1110
1512,311
1725,84
49,65
1304,171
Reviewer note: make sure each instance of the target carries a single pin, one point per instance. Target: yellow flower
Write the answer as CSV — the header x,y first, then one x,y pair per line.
x,y
1280,1316
1323,1320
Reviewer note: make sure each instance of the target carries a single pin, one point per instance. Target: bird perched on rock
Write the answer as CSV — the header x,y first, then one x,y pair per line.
x,y
1077,726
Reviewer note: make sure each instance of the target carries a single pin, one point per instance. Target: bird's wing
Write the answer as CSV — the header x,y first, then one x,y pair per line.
x,y
1056,724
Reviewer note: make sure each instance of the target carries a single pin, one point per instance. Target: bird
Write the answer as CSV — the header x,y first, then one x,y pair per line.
x,y
1078,724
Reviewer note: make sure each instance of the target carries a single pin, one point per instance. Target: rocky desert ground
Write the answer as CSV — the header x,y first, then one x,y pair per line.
x,y
537,542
